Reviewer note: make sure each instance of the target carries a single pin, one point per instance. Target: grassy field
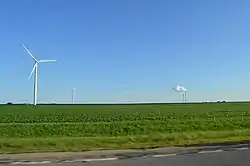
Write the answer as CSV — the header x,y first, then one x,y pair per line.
x,y
25,128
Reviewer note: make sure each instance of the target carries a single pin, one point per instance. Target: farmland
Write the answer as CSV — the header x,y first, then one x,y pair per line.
x,y
84,127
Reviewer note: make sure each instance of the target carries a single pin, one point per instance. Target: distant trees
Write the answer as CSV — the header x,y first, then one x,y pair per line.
x,y
221,101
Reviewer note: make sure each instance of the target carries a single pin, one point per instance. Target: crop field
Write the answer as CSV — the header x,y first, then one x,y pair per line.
x,y
143,124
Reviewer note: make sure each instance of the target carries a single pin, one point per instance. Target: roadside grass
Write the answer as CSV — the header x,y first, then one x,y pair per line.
x,y
79,144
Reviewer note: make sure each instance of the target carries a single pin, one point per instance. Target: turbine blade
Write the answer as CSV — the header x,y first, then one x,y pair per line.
x,y
33,69
47,61
29,52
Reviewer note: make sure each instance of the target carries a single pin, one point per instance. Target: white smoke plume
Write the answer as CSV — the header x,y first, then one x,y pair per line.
x,y
179,88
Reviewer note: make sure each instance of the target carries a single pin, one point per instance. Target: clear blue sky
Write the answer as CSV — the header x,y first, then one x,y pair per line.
x,y
126,50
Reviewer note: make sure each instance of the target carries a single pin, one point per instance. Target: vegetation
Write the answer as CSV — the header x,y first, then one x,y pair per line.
x,y
84,127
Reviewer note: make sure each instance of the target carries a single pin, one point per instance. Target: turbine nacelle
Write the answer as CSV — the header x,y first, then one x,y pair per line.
x,y
36,64
36,61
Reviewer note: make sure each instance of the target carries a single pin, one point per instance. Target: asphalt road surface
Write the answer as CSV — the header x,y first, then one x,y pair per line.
x,y
215,158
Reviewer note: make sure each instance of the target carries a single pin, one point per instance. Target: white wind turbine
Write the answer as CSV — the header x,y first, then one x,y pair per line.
x,y
73,95
35,71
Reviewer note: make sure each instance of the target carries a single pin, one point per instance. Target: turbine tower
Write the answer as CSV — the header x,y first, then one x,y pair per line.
x,y
184,96
73,95
35,71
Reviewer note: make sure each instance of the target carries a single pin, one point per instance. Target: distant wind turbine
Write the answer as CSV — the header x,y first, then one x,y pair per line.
x,y
35,71
182,90
73,95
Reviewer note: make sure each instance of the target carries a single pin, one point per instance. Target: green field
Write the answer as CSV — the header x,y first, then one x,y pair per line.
x,y
84,127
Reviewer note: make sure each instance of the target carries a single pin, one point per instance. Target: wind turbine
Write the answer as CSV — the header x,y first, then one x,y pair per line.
x,y
35,71
73,95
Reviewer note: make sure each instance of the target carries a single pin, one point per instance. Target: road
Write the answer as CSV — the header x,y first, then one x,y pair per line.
x,y
213,158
